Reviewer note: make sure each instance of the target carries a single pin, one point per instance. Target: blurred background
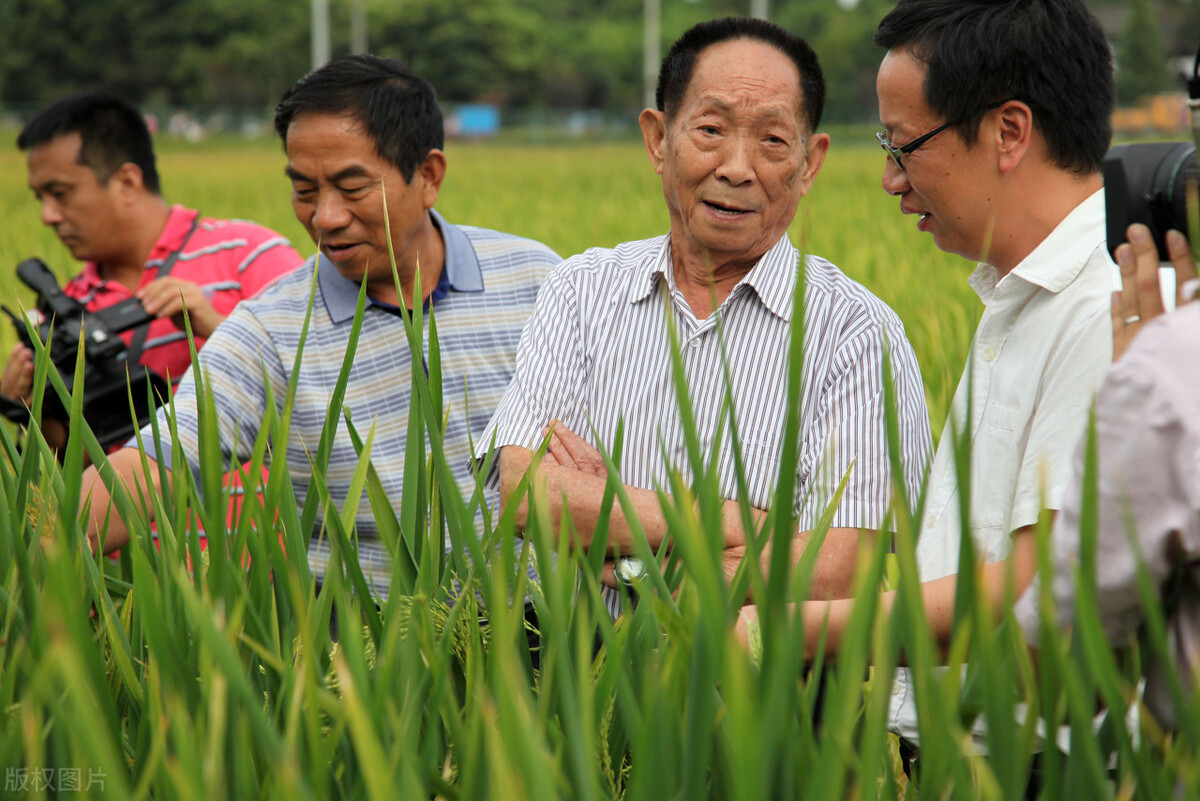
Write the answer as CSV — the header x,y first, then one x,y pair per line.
x,y
523,70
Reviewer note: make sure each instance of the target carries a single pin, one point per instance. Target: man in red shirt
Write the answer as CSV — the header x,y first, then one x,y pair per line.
x,y
92,169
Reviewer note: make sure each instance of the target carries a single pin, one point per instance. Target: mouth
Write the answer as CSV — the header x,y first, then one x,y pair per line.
x,y
922,216
339,250
723,210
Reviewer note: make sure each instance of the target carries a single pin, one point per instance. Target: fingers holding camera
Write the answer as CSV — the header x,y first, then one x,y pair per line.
x,y
168,297
16,381
1140,298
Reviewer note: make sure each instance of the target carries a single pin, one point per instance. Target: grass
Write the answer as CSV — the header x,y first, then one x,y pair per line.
x,y
176,675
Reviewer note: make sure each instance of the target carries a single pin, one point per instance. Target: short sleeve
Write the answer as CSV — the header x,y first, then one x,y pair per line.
x,y
234,362
549,375
850,434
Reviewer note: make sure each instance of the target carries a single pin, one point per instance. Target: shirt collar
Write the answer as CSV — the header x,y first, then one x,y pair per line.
x,y
773,277
460,269
1059,258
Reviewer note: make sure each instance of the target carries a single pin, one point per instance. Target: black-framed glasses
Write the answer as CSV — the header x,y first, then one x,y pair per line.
x,y
895,153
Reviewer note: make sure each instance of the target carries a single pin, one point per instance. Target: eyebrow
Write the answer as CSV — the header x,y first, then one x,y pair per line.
x,y
353,171
771,112
49,186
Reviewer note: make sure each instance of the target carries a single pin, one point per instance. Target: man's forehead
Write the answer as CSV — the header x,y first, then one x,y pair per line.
x,y
57,161
724,70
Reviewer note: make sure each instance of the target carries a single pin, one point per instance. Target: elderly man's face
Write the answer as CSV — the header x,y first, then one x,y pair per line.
x,y
736,157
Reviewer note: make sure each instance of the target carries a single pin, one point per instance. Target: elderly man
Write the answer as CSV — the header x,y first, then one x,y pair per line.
x,y
734,139
363,135
92,169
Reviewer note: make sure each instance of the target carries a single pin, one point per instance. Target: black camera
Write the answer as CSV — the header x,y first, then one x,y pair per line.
x,y
1147,183
110,374
1155,182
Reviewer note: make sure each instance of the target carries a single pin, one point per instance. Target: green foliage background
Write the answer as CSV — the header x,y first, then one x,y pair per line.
x,y
523,54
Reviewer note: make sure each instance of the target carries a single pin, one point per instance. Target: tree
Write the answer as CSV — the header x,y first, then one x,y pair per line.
x,y
1141,61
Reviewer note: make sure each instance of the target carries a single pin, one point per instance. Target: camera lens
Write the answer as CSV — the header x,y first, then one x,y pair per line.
x,y
1146,182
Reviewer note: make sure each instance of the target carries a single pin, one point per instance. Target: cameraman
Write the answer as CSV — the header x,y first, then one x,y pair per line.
x,y
92,169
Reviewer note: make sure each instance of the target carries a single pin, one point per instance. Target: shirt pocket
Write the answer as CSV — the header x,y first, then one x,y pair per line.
x,y
995,466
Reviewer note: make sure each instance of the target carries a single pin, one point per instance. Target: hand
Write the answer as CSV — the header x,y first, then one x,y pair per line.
x,y
1140,298
17,380
168,296
568,449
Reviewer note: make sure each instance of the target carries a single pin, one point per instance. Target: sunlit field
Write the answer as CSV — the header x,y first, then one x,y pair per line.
x,y
573,198
168,673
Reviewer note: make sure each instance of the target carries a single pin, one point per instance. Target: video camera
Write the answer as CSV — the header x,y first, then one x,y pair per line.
x,y
1155,183
109,374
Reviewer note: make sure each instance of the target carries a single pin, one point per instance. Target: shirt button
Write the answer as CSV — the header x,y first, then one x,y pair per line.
x,y
931,521
695,343
896,688
989,353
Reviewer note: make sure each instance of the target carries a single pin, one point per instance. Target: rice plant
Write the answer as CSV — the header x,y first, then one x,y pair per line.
x,y
171,672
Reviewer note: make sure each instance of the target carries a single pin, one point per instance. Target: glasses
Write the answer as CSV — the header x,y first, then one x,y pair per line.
x,y
895,153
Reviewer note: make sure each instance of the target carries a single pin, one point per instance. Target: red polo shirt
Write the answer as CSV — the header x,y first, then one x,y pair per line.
x,y
229,259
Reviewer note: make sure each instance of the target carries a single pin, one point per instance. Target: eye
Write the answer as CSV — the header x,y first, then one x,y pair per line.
x,y
775,140
303,191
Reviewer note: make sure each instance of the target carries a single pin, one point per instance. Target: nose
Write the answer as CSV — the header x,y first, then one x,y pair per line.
x,y
737,161
51,213
895,180
330,212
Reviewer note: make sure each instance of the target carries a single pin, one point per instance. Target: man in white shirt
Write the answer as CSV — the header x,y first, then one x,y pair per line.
x,y
995,141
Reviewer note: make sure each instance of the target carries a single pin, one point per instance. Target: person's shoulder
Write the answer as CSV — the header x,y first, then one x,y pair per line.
x,y
291,285
827,286
627,258
501,249
237,229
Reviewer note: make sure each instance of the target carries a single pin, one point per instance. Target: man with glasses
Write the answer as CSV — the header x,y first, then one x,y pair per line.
x,y
995,141
996,121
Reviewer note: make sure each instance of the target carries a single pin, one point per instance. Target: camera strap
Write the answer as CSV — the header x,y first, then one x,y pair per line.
x,y
134,352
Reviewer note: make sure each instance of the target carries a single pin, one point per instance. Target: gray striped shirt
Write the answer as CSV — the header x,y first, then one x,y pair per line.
x,y
596,351
493,279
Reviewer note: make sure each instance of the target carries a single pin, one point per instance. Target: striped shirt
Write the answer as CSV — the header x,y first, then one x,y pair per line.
x,y
493,281
229,259
596,352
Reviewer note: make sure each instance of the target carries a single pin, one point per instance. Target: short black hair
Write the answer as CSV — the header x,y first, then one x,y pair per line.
x,y
680,62
112,133
398,109
1050,54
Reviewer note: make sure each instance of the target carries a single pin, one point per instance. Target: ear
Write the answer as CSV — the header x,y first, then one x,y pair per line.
x,y
431,172
818,146
654,132
128,181
1013,134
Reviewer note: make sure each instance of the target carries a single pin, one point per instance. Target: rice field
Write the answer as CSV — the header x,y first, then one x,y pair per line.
x,y
171,674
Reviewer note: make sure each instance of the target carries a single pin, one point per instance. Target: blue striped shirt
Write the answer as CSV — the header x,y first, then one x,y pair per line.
x,y
493,282
596,351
